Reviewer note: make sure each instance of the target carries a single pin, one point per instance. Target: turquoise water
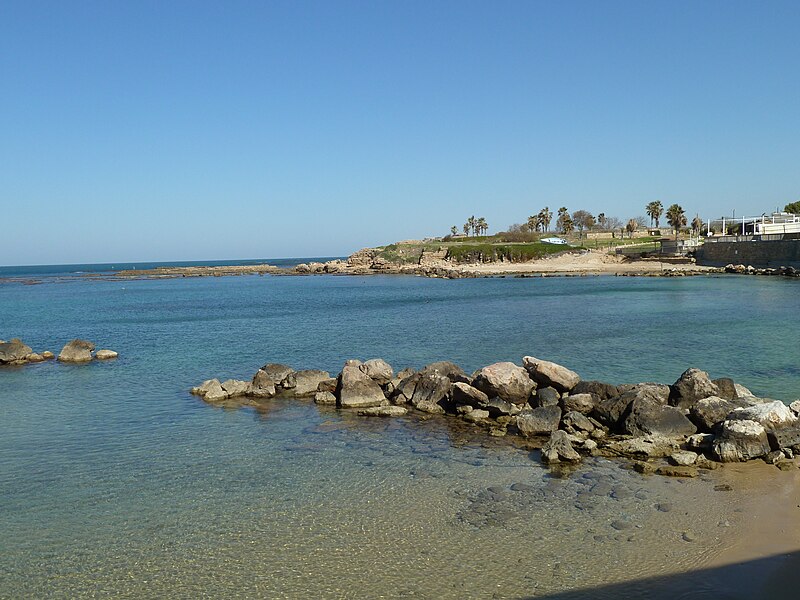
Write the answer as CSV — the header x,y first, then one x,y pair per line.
x,y
115,481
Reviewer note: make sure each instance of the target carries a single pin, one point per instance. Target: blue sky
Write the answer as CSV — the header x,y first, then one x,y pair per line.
x,y
211,130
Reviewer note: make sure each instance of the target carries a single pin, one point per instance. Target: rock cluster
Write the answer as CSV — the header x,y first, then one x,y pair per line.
x,y
15,352
751,270
694,423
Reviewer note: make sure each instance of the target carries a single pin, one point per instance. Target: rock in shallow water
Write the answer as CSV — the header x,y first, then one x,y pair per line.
x,y
76,351
106,354
558,448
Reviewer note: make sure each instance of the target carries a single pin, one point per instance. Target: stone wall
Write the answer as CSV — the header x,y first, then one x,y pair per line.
x,y
758,254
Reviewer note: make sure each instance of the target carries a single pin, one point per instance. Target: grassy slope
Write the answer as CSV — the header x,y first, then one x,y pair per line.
x,y
493,248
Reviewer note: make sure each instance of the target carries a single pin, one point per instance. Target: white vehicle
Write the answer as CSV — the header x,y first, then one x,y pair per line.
x,y
554,240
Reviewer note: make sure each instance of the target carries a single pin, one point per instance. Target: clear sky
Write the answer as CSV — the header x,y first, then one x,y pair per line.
x,y
167,130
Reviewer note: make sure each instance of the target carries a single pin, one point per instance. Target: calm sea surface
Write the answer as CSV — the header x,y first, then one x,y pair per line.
x,y
115,481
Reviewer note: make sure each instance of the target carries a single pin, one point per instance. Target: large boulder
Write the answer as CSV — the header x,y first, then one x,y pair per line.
x,y
14,351
709,413
691,386
648,417
583,403
447,369
234,388
505,380
649,446
558,448
307,381
378,370
546,373
576,421
77,351
465,394
741,440
211,391
603,391
545,396
771,415
357,390
280,375
262,385
538,421
726,387
430,392
613,410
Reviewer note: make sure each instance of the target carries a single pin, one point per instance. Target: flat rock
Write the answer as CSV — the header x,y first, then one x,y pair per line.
x,y
647,417
383,411
642,447
307,381
357,390
677,471
505,380
498,407
324,398
34,357
546,373
234,388
47,355
76,351
683,458
106,354
476,415
691,386
538,421
771,415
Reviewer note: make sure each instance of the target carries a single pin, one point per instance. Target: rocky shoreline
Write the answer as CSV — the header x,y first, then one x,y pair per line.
x,y
15,352
673,430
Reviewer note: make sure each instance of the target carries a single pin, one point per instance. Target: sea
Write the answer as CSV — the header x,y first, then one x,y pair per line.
x,y
116,482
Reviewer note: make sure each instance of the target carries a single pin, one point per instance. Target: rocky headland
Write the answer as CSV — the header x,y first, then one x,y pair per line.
x,y
673,430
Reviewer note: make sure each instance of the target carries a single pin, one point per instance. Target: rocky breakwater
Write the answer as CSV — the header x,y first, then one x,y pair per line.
x,y
751,270
675,430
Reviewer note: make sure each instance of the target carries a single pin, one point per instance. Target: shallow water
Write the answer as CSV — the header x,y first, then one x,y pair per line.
x,y
115,481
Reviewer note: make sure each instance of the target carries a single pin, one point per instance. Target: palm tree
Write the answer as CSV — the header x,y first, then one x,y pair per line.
x,y
601,220
654,210
453,230
676,217
546,217
632,225
563,217
697,225
466,228
481,226
533,223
